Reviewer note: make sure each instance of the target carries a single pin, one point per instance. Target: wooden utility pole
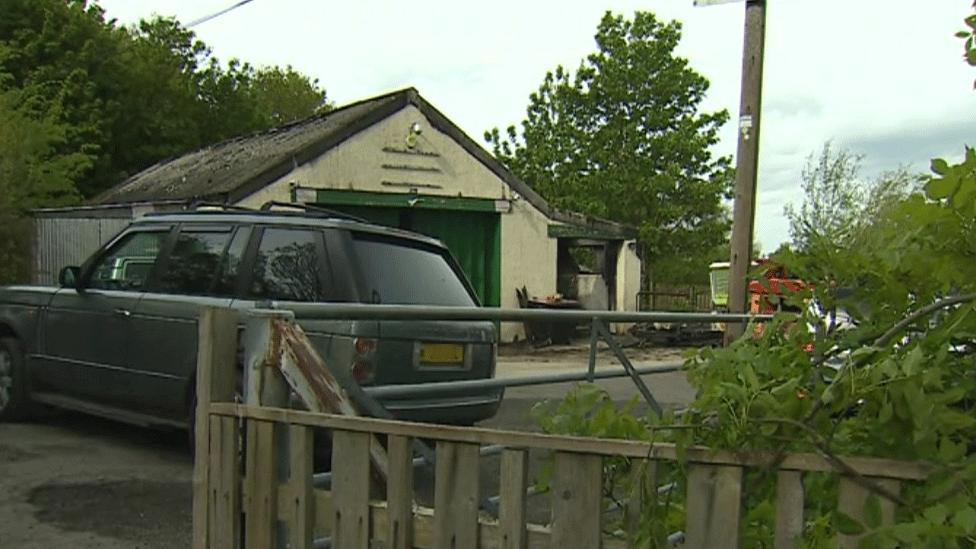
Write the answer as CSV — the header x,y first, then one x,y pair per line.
x,y
747,162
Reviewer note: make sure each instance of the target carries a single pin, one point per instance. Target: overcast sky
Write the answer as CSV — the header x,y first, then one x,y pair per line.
x,y
884,78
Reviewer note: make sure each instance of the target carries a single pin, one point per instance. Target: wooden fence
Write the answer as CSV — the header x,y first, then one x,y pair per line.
x,y
270,500
683,298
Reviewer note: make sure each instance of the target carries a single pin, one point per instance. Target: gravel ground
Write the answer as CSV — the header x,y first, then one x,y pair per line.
x,y
79,482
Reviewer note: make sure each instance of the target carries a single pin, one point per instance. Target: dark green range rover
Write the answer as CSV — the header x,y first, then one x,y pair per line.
x,y
119,337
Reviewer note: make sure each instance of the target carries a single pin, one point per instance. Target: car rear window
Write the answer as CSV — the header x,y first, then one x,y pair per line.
x,y
287,266
403,273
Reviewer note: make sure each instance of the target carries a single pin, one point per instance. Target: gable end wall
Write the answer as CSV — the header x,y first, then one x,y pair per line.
x,y
379,160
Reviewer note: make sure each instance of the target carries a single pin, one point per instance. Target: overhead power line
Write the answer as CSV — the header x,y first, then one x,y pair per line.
x,y
202,20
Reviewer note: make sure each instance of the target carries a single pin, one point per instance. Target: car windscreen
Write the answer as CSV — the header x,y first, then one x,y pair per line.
x,y
401,272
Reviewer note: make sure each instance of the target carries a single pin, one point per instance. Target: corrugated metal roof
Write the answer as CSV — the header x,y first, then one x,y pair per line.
x,y
223,170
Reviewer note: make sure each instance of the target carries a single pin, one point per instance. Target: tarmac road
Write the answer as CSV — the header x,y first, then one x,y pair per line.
x,y
68,480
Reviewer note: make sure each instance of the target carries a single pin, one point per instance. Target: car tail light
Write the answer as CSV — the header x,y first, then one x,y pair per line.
x,y
364,346
362,365
362,371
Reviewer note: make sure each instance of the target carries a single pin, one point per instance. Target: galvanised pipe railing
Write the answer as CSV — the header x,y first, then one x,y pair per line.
x,y
413,390
358,311
599,321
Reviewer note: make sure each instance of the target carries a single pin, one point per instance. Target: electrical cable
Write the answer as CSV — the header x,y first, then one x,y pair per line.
x,y
204,19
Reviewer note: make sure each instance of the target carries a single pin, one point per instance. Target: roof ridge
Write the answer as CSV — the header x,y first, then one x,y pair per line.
x,y
408,94
299,122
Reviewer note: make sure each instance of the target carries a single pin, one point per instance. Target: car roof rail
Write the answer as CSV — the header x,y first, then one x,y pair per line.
x,y
311,208
197,204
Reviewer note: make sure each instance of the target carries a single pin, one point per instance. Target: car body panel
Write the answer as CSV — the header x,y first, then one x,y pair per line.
x,y
135,348
86,344
163,351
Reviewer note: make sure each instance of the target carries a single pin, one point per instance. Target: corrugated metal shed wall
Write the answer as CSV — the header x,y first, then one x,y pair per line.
x,y
68,236
62,241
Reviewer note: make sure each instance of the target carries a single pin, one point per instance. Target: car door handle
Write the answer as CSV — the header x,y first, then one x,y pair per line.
x,y
123,312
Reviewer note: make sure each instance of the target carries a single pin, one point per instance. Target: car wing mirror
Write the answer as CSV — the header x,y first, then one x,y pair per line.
x,y
70,277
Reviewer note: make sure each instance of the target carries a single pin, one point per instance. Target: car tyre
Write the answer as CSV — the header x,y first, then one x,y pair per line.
x,y
14,391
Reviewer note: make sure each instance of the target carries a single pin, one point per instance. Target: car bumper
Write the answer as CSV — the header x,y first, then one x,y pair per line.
x,y
457,410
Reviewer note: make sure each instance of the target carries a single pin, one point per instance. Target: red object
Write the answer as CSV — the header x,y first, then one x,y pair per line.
x,y
362,371
364,346
777,282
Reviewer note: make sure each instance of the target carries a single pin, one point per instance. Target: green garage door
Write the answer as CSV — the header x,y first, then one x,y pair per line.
x,y
472,234
473,239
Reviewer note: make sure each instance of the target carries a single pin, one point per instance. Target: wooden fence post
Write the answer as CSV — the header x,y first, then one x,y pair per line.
x,y
261,521
851,500
714,506
264,383
267,442
215,382
577,501
399,493
789,509
301,514
456,496
350,490
513,485
225,483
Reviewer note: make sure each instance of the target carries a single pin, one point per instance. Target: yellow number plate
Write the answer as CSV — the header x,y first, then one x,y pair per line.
x,y
441,353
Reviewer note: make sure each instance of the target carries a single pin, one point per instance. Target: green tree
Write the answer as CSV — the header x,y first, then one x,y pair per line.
x,y
898,381
160,110
285,95
840,208
623,139
32,173
65,59
969,39
242,99
834,196
131,96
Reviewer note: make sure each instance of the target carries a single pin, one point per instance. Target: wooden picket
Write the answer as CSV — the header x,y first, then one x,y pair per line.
x,y
270,501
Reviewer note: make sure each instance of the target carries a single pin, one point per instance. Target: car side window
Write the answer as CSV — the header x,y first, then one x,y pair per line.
x,y
191,267
128,264
287,266
231,265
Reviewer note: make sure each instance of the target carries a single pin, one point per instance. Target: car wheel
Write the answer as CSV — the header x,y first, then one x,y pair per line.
x,y
14,394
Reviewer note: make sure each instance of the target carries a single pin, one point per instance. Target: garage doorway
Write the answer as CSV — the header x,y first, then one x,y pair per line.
x,y
472,234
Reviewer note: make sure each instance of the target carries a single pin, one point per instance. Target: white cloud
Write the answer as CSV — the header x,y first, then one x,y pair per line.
x,y
885,76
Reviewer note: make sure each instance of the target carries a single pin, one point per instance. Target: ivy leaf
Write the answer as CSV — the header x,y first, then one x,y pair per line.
x,y
909,532
940,166
936,514
750,377
846,525
872,511
941,187
965,519
886,412
938,489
